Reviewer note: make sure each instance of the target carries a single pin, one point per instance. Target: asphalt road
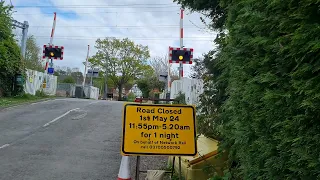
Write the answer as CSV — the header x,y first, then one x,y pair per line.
x,y
65,139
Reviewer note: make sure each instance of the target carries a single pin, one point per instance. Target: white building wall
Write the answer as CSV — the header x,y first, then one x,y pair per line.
x,y
136,91
192,88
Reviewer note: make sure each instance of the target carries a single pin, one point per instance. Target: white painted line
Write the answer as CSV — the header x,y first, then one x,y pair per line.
x,y
56,119
94,102
43,101
6,145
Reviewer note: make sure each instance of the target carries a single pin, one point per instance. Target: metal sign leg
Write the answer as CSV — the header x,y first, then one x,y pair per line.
x,y
180,174
137,167
172,172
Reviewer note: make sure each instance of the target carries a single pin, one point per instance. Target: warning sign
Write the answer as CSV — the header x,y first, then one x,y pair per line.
x,y
159,130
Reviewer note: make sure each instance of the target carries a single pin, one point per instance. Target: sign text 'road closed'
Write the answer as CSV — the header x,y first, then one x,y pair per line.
x,y
159,130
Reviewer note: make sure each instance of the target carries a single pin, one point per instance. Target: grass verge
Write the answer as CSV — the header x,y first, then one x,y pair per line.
x,y
22,99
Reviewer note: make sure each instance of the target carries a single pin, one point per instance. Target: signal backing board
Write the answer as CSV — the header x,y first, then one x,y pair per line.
x,y
152,129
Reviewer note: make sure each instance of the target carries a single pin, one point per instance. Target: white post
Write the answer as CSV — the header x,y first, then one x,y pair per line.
x,y
181,43
50,44
85,70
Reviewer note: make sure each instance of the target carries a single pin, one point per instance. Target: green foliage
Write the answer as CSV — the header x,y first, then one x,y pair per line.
x,y
145,86
56,73
180,99
121,59
22,98
147,71
77,75
10,56
33,60
41,94
69,79
131,97
149,81
262,92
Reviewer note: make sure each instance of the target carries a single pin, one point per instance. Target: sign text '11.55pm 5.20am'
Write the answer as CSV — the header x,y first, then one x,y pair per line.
x,y
159,130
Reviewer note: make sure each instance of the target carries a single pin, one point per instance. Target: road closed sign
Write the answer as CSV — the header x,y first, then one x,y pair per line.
x,y
159,130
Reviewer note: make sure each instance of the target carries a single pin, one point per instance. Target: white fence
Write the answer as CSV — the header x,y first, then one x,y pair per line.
x,y
91,92
34,80
192,88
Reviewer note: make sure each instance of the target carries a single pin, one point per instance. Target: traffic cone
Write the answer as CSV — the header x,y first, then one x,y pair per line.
x,y
124,172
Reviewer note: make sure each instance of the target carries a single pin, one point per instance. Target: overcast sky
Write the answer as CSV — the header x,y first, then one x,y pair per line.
x,y
80,22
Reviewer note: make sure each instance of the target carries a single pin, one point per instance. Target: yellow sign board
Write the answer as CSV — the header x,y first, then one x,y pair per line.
x,y
153,129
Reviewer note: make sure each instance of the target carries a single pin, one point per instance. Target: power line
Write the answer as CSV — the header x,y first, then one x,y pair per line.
x,y
153,6
193,37
143,4
104,12
144,26
132,38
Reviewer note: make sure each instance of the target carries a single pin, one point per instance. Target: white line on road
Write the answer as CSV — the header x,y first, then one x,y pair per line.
x,y
6,145
40,102
94,102
56,119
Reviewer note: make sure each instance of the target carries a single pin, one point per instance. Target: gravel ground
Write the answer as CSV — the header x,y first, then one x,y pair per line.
x,y
148,163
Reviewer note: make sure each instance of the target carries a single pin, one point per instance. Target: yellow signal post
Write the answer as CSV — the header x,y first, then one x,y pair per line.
x,y
52,54
44,84
180,58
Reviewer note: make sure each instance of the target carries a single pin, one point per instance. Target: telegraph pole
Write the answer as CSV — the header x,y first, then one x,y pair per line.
x,y
105,94
24,26
85,70
181,42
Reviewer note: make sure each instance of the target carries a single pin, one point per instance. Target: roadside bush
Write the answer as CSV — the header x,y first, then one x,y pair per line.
x,y
180,99
262,87
41,93
131,97
10,56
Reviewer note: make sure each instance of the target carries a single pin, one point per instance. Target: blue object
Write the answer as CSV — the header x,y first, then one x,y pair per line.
x,y
50,70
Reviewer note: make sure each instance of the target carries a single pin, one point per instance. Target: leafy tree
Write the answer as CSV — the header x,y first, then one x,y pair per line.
x,y
147,71
77,76
262,93
180,99
56,73
33,59
145,87
198,69
131,97
60,72
10,55
148,84
69,79
149,80
122,59
160,64
103,81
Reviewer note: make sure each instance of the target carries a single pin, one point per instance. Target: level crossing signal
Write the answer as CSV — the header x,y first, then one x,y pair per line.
x,y
178,55
53,52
